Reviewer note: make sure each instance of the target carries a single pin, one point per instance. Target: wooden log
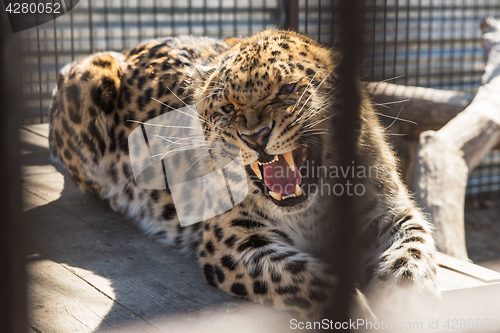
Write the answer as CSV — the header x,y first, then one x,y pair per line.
x,y
429,108
446,158
408,111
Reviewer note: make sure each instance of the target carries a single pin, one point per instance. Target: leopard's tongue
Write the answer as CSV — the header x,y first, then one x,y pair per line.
x,y
280,178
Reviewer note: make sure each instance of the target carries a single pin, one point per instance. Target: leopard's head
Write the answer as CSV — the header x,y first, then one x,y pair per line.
x,y
268,97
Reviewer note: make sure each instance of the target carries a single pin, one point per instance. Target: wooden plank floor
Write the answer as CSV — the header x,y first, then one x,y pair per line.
x,y
90,270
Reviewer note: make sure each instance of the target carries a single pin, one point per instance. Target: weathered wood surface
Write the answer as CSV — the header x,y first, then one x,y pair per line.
x,y
408,111
429,108
468,269
93,271
445,158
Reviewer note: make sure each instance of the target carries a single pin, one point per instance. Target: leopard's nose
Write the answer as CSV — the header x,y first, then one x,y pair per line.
x,y
258,138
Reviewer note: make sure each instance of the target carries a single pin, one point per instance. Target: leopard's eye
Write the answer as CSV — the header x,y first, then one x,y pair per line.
x,y
228,108
287,89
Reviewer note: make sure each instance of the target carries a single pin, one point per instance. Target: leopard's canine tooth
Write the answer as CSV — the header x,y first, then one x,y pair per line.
x,y
289,159
298,191
256,170
276,196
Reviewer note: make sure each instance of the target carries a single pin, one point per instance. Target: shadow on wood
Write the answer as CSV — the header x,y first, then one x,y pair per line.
x,y
90,270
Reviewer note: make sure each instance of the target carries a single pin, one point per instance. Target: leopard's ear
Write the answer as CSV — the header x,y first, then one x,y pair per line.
x,y
232,40
202,72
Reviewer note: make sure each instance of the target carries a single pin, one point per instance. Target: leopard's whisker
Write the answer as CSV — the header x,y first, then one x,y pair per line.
x,y
211,89
308,85
314,91
314,110
170,126
316,122
321,108
394,78
189,108
389,103
192,164
203,147
396,118
203,155
163,155
181,139
203,119
179,110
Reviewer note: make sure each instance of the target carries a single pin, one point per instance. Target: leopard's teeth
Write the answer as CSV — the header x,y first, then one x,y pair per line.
x,y
276,196
289,159
292,195
274,160
298,191
256,170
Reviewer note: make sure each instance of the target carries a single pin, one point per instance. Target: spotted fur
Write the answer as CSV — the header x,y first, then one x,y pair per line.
x,y
259,250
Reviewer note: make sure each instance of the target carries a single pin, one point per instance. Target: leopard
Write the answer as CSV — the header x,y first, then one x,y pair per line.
x,y
272,98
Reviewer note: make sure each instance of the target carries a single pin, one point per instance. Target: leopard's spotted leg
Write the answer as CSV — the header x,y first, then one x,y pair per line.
x,y
250,260
404,282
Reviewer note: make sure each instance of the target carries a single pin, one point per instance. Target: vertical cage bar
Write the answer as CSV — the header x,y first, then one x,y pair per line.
x,y
374,37
430,44
407,40
91,37
307,17
122,23
462,50
347,125
56,54
204,17
189,17
264,14
332,11
105,10
292,15
363,29
419,41
155,18
21,102
40,96
172,16
442,47
477,56
396,33
13,288
219,18
250,18
384,41
139,23
319,20
235,19
453,25
72,33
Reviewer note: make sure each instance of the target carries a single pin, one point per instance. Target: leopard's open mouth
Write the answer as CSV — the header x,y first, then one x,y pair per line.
x,y
284,177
